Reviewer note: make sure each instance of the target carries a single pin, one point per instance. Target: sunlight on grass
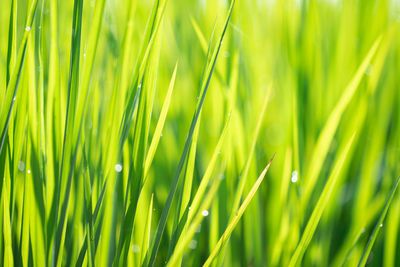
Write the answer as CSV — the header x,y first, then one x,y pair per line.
x,y
140,133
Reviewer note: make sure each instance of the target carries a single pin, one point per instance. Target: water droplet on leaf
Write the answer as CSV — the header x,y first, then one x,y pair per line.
x,y
198,229
193,244
135,248
294,177
21,166
205,213
118,167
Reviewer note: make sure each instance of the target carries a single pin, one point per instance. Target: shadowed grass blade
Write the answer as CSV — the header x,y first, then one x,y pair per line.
x,y
82,252
70,146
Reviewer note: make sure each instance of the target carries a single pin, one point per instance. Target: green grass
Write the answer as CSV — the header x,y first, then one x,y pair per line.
x,y
199,133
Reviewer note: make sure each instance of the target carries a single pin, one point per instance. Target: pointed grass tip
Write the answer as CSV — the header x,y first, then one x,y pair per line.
x,y
269,163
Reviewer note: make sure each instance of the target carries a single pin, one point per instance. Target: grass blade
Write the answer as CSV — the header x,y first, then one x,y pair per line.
x,y
206,82
12,87
331,125
70,146
378,225
160,124
146,237
184,239
320,207
234,221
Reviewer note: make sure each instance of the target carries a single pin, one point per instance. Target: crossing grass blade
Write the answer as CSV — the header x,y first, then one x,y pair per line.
x,y
245,171
89,57
244,174
197,199
160,124
197,218
187,214
140,140
151,34
203,91
199,203
70,141
12,86
199,34
82,252
6,108
185,191
331,125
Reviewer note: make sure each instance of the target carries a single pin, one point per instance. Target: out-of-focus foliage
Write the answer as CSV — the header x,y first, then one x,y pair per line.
x,y
136,132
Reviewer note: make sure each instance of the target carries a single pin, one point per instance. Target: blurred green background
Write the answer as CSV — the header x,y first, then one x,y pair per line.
x,y
309,59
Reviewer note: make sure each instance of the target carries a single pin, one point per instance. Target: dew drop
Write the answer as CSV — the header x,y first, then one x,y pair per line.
x,y
14,98
198,229
226,54
193,244
369,70
21,166
118,167
161,135
190,208
28,28
205,213
219,152
135,248
381,225
294,177
229,114
29,171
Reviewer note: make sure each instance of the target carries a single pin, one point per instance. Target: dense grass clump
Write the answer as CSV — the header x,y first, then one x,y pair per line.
x,y
199,133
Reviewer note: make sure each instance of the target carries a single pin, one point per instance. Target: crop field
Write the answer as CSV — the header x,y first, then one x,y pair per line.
x,y
199,133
